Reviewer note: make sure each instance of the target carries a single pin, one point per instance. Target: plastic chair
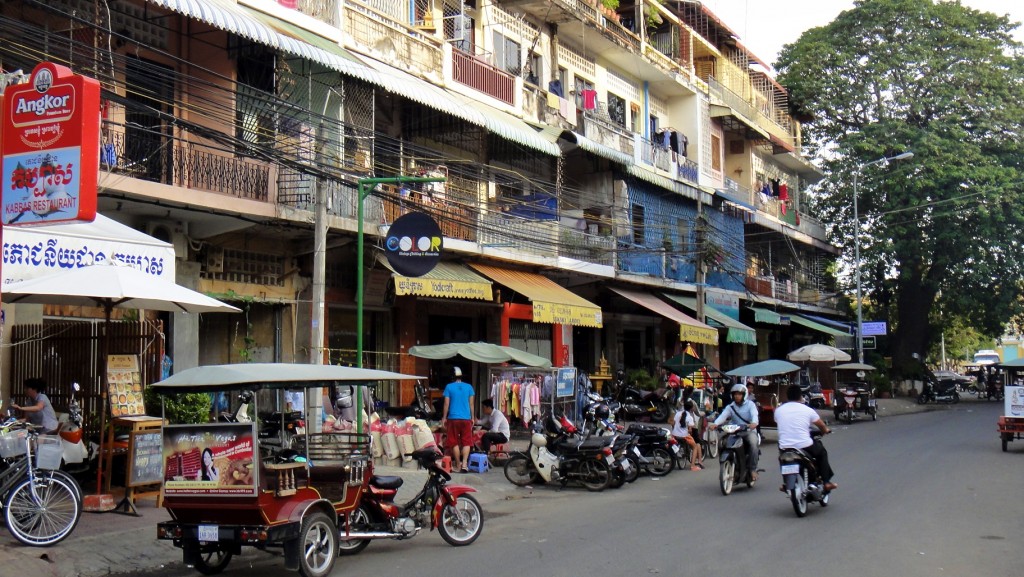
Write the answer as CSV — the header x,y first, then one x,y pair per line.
x,y
499,451
478,463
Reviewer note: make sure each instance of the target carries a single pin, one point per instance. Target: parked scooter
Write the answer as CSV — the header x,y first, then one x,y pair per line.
x,y
656,448
801,480
554,455
940,392
241,414
733,459
635,403
79,456
813,396
450,509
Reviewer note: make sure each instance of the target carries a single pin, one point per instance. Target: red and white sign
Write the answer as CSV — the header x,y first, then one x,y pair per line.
x,y
49,139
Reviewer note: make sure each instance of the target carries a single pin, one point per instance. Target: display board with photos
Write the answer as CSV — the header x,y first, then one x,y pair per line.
x,y
124,386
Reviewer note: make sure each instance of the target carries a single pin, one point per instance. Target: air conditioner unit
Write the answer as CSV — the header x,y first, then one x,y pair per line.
x,y
214,259
173,232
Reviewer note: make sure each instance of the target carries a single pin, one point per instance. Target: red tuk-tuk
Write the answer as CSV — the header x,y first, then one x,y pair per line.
x,y
312,494
1011,424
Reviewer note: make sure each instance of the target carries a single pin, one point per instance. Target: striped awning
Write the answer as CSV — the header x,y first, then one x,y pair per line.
x,y
690,329
737,332
446,280
602,150
276,33
818,326
552,303
768,316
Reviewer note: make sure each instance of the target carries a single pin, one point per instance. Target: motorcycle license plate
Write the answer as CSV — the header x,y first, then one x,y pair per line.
x,y
209,533
636,451
609,459
675,449
790,470
627,467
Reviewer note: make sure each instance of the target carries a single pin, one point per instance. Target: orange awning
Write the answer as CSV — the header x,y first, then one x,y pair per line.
x,y
690,329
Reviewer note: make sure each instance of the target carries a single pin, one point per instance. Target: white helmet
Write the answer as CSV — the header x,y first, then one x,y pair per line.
x,y
738,388
539,440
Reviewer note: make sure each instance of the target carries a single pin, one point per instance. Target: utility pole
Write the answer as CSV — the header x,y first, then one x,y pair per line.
x,y
701,275
318,315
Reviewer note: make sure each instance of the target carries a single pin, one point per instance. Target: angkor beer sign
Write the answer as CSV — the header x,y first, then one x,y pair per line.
x,y
50,147
413,244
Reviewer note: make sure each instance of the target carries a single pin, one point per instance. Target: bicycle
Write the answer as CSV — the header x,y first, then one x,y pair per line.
x,y
40,504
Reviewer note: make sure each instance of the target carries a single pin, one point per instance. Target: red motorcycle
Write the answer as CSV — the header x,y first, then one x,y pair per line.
x,y
448,508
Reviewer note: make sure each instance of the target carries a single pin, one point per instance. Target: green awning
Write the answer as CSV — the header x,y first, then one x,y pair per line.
x,y
767,316
817,326
737,331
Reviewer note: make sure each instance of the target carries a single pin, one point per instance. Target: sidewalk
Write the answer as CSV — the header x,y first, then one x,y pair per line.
x,y
113,544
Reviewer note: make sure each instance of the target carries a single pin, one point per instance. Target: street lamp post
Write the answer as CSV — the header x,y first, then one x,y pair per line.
x,y
856,245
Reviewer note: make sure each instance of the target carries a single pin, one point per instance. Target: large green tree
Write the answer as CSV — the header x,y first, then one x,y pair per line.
x,y
945,82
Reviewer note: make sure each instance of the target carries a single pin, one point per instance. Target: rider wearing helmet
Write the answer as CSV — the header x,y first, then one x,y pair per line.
x,y
743,412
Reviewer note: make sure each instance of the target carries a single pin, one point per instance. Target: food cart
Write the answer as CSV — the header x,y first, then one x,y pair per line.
x,y
853,395
1011,424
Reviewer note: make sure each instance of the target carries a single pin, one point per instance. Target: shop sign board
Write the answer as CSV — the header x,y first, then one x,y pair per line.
x,y
565,385
50,148
1013,399
413,244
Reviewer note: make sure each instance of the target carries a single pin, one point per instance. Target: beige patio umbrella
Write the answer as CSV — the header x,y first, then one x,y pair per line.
x,y
108,286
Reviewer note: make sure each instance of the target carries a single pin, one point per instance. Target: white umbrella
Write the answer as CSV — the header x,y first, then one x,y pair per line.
x,y
108,286
818,352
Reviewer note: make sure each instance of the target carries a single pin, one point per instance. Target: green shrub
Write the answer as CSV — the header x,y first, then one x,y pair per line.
x,y
183,409
641,379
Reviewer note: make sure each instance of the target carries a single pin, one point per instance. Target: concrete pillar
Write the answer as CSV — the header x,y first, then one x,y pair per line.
x,y
184,346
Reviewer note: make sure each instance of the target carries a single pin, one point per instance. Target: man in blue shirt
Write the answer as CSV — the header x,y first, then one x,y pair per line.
x,y
457,417
743,412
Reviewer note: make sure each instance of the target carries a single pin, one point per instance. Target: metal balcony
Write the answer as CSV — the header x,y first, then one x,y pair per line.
x,y
480,75
380,33
150,156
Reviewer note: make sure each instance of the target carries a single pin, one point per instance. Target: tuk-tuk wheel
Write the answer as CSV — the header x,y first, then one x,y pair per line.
x,y
212,562
318,545
1005,441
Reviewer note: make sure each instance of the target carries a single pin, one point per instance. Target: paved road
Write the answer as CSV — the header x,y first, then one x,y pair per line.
x,y
920,495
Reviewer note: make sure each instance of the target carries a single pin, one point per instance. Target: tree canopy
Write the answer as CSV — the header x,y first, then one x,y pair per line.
x,y
944,81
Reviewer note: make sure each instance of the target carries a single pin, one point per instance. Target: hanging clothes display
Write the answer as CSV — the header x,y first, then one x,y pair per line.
x,y
589,99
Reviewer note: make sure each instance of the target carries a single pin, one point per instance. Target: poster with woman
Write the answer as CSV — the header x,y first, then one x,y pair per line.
x,y
213,459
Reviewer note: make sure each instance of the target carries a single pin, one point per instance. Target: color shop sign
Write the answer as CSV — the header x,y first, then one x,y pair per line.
x,y
413,245
50,148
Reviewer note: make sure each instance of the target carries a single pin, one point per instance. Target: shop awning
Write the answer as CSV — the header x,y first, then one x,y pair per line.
x,y
838,325
602,150
552,303
768,316
817,326
690,329
737,331
668,184
446,280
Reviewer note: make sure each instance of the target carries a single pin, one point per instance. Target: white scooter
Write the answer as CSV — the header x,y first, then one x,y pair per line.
x,y
78,456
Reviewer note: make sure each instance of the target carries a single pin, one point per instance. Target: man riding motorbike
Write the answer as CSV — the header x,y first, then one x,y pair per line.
x,y
742,412
794,420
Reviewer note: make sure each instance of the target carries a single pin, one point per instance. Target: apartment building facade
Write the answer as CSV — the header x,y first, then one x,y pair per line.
x,y
609,173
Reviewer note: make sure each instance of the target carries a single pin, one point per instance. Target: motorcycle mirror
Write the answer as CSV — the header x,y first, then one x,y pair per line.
x,y
76,387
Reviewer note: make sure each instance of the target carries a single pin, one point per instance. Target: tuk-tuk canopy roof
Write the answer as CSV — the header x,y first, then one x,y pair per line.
x,y
853,367
764,369
214,378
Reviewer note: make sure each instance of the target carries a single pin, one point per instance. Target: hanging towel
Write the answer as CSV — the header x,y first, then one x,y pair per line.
x,y
567,108
554,101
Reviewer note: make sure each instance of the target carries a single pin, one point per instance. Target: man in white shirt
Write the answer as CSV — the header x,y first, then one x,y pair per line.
x,y
496,424
794,420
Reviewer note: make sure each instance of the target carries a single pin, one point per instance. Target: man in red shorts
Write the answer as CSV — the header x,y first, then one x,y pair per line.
x,y
457,418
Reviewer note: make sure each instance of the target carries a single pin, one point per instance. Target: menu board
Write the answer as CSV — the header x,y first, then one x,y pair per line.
x,y
124,386
213,459
145,460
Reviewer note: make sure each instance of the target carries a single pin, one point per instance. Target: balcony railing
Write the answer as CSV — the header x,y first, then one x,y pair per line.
x,y
594,248
665,159
149,156
322,10
601,129
688,170
736,102
471,71
393,40
791,291
537,237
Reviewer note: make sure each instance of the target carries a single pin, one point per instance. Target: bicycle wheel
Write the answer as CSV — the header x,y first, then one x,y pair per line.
x,y
45,518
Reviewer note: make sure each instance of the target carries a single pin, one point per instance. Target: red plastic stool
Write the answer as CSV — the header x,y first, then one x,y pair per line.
x,y
499,451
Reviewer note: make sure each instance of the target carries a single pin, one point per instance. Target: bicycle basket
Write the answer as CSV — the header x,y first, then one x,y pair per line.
x,y
12,443
49,452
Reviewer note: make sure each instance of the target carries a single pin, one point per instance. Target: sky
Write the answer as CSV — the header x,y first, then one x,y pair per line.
x,y
765,25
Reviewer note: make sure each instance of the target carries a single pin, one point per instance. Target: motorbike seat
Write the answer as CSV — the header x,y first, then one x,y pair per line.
x,y
386,481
